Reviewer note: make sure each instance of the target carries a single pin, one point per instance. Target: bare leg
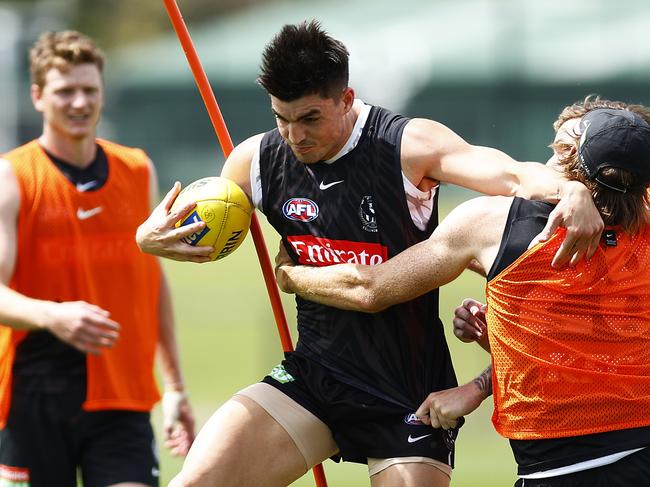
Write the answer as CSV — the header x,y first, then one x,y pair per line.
x,y
241,445
410,475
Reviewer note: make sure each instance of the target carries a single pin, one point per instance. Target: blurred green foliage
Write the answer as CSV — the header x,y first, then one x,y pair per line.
x,y
115,23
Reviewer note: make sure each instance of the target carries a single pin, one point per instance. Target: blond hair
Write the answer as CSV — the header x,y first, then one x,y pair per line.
x,y
62,50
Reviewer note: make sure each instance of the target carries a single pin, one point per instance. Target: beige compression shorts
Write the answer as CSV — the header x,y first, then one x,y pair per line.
x,y
312,437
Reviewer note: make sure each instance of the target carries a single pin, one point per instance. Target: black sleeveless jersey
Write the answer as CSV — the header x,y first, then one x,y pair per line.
x,y
354,210
525,220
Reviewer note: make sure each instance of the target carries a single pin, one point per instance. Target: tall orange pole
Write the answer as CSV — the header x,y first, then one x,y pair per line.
x,y
226,146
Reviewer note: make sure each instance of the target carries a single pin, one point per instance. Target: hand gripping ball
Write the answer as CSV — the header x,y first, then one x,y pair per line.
x,y
225,209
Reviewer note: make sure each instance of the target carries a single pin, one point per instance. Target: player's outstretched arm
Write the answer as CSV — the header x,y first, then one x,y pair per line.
x,y
442,409
431,150
415,271
86,327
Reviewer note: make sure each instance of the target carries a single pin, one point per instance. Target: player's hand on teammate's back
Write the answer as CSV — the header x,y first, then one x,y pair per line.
x,y
159,236
577,213
283,259
178,422
86,327
442,409
470,324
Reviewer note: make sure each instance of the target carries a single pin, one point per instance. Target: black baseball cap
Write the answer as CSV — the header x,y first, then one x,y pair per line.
x,y
614,138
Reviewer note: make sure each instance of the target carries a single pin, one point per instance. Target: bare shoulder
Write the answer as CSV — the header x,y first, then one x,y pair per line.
x,y
484,207
424,145
427,131
9,190
482,217
7,175
250,145
238,165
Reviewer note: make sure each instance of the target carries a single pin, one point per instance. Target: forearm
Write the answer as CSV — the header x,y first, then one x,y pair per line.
x,y
168,354
345,286
484,382
21,312
542,183
415,271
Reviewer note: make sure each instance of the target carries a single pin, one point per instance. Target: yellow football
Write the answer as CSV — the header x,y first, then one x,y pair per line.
x,y
225,209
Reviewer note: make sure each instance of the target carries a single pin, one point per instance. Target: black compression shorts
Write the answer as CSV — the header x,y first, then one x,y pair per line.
x,y
362,424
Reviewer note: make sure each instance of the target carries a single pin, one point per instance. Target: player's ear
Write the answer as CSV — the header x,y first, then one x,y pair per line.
x,y
36,93
348,99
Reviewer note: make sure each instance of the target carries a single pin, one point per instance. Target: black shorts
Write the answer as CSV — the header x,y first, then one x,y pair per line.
x,y
630,471
48,437
363,425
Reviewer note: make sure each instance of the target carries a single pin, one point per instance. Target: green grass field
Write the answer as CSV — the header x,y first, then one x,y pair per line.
x,y
228,340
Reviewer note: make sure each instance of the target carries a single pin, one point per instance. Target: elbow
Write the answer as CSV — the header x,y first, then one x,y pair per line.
x,y
371,300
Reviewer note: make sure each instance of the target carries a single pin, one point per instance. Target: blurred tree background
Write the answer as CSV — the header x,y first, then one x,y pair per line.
x,y
121,22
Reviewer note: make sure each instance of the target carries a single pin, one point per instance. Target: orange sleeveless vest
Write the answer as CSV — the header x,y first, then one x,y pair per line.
x,y
571,348
74,246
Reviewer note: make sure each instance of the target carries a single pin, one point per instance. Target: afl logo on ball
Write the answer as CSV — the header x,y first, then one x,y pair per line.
x,y
300,209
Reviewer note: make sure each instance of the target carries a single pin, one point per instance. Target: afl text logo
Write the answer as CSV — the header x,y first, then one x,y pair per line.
x,y
300,209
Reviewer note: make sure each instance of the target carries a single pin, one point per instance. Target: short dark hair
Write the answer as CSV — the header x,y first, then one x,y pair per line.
x,y
302,59
629,209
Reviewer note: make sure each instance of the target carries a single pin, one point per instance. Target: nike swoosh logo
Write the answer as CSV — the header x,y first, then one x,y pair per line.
x,y
417,438
81,187
85,214
324,186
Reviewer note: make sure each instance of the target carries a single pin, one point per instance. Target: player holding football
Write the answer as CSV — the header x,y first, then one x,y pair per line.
x,y
344,181
82,309
570,348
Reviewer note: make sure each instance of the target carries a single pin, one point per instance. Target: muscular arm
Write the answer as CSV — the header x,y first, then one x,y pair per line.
x,y
415,271
432,151
82,325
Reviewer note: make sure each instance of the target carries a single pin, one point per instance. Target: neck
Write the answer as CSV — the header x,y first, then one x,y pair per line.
x,y
348,124
351,119
77,152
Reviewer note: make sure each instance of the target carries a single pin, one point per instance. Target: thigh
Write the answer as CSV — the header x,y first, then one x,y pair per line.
x,y
411,474
242,445
118,447
311,436
36,444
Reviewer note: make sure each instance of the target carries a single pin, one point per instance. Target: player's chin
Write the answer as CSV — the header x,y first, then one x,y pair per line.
x,y
307,156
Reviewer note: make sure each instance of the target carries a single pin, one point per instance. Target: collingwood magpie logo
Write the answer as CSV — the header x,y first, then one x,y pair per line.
x,y
367,214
